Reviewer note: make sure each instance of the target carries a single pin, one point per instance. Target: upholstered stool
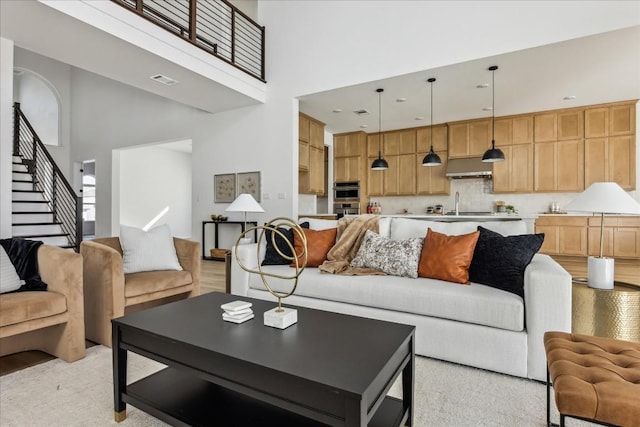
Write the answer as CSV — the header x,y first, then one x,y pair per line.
x,y
594,379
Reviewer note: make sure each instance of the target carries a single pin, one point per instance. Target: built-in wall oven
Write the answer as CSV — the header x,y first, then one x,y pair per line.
x,y
346,198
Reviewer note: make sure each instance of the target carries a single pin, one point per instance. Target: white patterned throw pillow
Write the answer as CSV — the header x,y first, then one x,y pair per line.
x,y
148,250
394,257
9,279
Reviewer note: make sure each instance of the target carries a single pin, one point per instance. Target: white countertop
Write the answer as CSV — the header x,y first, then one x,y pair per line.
x,y
436,217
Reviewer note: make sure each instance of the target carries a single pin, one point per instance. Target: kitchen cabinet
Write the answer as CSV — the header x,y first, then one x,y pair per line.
x,y
515,173
514,130
559,166
563,235
621,237
374,179
431,179
545,127
611,159
349,157
310,156
570,124
610,145
470,138
423,139
399,142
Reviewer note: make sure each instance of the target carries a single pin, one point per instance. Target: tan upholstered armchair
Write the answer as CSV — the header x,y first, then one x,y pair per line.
x,y
109,293
53,320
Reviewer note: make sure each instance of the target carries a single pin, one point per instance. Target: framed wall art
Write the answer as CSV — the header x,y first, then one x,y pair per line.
x,y
224,188
249,182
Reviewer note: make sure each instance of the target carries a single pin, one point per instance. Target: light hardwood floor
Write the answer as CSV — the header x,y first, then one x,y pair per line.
x,y
212,278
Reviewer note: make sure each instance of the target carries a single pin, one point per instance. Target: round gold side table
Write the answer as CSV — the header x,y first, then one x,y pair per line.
x,y
610,313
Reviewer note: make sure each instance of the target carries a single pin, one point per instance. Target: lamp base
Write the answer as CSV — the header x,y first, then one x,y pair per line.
x,y
600,272
282,319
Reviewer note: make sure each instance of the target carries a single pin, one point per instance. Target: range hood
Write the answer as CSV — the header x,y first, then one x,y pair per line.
x,y
472,167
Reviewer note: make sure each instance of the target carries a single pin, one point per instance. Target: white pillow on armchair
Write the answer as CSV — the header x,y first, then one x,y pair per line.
x,y
148,250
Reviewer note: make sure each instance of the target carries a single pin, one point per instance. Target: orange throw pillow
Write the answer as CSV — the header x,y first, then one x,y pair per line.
x,y
318,244
447,257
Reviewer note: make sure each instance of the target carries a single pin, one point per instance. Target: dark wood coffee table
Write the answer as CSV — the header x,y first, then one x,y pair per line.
x,y
327,369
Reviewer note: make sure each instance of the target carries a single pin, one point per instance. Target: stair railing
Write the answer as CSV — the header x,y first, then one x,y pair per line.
x,y
65,205
216,26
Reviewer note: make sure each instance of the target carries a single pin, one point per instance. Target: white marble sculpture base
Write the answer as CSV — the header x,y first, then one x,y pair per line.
x,y
280,320
600,272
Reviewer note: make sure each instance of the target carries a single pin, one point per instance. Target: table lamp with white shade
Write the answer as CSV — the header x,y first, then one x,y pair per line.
x,y
245,203
603,197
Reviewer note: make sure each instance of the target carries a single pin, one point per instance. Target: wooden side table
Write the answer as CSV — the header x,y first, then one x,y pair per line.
x,y
610,313
216,224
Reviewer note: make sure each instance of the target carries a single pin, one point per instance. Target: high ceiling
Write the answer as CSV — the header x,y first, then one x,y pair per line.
x,y
595,69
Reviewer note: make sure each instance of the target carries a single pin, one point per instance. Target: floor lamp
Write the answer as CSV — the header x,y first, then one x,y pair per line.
x,y
601,198
244,203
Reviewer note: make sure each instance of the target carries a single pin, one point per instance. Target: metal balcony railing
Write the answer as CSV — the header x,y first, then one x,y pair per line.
x,y
65,205
213,25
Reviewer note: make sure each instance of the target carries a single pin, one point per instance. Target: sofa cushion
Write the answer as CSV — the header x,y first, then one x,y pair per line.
x,y
500,261
447,257
475,303
24,306
9,279
271,255
319,242
146,282
148,250
404,228
394,257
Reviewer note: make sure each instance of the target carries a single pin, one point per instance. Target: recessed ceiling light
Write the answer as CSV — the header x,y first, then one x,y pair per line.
x,y
361,112
419,118
482,85
487,108
337,110
164,79
569,97
364,126
401,100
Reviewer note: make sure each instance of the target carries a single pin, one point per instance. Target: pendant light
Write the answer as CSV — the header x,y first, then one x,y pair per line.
x,y
431,159
379,164
493,154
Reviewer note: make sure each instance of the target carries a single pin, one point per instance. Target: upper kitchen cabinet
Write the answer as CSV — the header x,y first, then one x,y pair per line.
x,y
559,166
431,179
514,130
610,144
400,177
423,139
349,157
399,142
515,173
469,138
310,156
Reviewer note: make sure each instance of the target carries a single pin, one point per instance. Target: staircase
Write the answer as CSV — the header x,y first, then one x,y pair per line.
x,y
32,216
44,205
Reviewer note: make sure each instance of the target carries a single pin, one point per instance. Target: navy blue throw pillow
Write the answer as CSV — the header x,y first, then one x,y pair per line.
x,y
271,256
499,261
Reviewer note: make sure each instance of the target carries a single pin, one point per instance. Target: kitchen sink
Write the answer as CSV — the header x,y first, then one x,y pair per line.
x,y
469,213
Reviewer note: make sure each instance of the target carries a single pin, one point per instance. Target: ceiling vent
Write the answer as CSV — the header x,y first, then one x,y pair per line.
x,y
164,80
361,112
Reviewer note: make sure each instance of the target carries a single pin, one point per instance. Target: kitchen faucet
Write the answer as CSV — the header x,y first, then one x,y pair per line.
x,y
457,203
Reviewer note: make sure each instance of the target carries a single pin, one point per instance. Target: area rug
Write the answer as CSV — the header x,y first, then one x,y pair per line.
x,y
63,394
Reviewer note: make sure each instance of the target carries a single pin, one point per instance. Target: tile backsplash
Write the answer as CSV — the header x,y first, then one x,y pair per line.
x,y
475,195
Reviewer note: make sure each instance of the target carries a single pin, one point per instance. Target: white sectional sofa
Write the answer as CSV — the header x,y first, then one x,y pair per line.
x,y
475,324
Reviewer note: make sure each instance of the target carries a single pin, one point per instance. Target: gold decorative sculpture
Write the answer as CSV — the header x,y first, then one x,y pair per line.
x,y
279,317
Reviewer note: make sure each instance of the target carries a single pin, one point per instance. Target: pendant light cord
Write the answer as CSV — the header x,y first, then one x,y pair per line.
x,y
493,110
379,123
431,122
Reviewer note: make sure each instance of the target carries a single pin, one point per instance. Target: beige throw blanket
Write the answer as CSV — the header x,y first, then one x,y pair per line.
x,y
351,231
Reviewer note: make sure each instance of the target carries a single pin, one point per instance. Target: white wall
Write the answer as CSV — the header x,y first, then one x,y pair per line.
x,y
108,116
154,180
6,134
58,75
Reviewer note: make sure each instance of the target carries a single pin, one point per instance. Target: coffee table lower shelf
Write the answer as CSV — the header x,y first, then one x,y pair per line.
x,y
179,398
